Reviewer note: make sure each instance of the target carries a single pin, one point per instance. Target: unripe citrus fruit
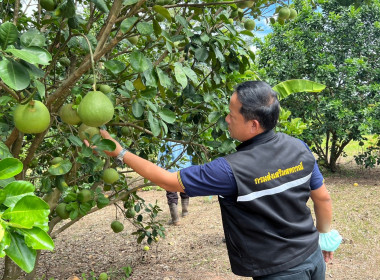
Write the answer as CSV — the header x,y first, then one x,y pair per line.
x,y
91,131
33,117
272,20
284,13
56,160
95,109
117,226
126,131
103,276
133,40
48,5
110,175
61,211
84,196
130,213
105,88
146,248
249,24
69,115
293,14
65,61
246,4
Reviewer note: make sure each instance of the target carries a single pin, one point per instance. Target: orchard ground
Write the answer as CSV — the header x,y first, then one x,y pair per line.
x,y
194,250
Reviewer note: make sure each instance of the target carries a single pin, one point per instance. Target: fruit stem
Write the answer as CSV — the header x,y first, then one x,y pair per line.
x,y
29,99
92,61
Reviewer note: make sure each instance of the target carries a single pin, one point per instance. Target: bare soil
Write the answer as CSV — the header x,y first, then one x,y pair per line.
x,y
195,250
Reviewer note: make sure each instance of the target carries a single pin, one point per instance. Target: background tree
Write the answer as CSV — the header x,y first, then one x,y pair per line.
x,y
167,69
338,46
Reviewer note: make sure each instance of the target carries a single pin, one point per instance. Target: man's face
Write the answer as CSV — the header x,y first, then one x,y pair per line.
x,y
239,128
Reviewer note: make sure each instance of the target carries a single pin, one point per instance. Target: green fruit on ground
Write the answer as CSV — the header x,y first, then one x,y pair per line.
x,y
69,115
48,5
110,175
117,226
133,40
61,211
106,188
293,14
284,13
56,160
249,24
105,89
130,213
33,117
103,276
95,109
85,129
146,248
84,196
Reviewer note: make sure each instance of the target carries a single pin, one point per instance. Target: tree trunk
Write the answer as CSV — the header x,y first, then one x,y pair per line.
x,y
11,270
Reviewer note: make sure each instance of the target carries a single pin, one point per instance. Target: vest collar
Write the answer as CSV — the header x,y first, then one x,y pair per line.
x,y
258,139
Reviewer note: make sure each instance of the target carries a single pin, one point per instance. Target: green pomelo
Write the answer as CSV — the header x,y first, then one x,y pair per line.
x,y
84,196
56,160
69,115
117,226
126,131
272,20
130,213
91,131
65,61
249,24
133,40
105,89
103,276
246,4
293,14
33,117
48,5
61,211
284,13
95,109
110,175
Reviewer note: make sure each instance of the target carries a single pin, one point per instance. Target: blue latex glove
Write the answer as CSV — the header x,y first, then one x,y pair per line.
x,y
330,241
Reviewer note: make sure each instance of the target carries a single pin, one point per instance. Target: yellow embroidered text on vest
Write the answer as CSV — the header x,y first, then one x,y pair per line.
x,y
279,173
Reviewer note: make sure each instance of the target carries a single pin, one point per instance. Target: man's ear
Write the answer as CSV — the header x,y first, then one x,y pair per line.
x,y
256,127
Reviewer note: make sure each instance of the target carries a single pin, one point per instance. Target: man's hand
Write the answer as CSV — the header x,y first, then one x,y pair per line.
x,y
328,256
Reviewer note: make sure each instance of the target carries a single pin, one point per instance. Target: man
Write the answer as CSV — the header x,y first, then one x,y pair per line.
x,y
263,189
176,154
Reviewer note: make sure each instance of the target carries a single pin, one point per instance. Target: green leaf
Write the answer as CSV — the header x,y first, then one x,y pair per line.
x,y
191,74
139,62
213,117
137,109
20,253
40,88
38,239
154,124
17,190
167,115
157,28
293,86
14,74
145,28
33,55
4,151
100,5
60,168
201,54
162,11
106,145
130,2
32,38
75,140
28,212
114,66
180,74
8,34
152,106
164,79
10,167
127,24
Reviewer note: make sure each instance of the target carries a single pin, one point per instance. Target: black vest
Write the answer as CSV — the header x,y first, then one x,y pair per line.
x,y
268,227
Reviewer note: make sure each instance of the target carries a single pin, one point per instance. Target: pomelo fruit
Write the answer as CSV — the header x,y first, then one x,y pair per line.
x,y
117,226
284,13
33,117
61,211
105,88
69,115
130,213
103,276
48,5
91,131
84,196
249,24
293,14
110,175
95,109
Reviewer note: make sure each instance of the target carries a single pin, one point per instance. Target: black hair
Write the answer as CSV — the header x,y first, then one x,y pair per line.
x,y
259,102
